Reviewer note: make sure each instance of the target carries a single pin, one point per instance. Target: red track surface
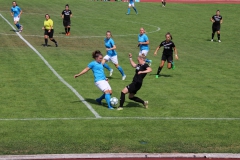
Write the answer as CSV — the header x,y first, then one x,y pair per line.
x,y
195,1
146,159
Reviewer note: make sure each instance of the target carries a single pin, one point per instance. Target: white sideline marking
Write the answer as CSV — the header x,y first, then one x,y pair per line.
x,y
133,118
82,37
121,155
55,73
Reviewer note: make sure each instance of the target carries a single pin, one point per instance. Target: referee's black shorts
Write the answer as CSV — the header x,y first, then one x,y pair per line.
x,y
134,87
50,34
66,23
216,28
168,57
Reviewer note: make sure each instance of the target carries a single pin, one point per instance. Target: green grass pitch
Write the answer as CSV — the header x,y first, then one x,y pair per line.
x,y
187,106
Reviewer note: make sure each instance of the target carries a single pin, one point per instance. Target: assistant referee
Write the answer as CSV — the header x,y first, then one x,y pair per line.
x,y
48,30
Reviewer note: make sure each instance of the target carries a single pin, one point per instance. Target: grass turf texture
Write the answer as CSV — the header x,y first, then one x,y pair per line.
x,y
205,83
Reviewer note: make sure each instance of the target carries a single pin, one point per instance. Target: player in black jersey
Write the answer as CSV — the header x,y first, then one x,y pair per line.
x,y
217,21
142,69
66,15
169,46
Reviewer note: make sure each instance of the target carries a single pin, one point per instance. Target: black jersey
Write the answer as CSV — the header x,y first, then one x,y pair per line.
x,y
66,14
139,77
168,47
217,19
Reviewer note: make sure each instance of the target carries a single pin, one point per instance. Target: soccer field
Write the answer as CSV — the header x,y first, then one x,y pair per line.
x,y
192,109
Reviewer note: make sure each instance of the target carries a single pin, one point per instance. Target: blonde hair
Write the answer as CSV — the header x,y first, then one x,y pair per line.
x,y
143,57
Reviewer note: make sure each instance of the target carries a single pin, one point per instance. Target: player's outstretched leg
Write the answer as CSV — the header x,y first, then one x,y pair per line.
x,y
99,100
122,100
122,72
128,11
135,9
108,97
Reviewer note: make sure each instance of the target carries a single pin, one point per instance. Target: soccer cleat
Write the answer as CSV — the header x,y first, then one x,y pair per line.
x,y
111,72
120,108
21,28
68,33
45,45
127,13
56,44
124,77
173,66
219,41
157,76
211,40
145,104
150,62
110,108
98,101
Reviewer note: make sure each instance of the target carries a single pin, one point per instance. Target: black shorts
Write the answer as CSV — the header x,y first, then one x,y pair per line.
x,y
134,87
216,28
168,57
50,34
66,23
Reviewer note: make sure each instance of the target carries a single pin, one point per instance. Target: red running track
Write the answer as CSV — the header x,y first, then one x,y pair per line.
x,y
196,1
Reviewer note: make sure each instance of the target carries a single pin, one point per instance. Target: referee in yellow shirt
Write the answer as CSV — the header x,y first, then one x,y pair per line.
x,y
48,30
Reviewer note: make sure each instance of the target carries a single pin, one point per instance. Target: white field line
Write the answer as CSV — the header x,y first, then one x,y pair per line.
x,y
55,73
121,118
123,155
84,37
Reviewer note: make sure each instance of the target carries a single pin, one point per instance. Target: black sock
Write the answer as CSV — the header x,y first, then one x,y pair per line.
x,y
69,29
66,30
213,35
159,70
136,99
164,3
54,40
218,36
122,99
46,41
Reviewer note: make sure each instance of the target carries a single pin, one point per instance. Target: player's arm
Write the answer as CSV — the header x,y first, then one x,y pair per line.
x,y
176,53
62,16
134,65
20,13
147,42
212,20
82,72
155,53
113,48
221,21
148,69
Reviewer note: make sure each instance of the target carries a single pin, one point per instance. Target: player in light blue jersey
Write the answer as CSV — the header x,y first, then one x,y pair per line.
x,y
131,4
111,55
143,43
16,13
99,77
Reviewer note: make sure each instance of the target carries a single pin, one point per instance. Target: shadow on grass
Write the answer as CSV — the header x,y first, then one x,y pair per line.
x,y
46,46
62,33
162,75
13,30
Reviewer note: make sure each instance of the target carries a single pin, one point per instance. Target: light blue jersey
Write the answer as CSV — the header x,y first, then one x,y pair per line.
x,y
97,69
131,1
109,43
143,38
16,11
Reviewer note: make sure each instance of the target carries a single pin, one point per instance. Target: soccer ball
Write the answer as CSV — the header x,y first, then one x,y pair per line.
x,y
114,101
